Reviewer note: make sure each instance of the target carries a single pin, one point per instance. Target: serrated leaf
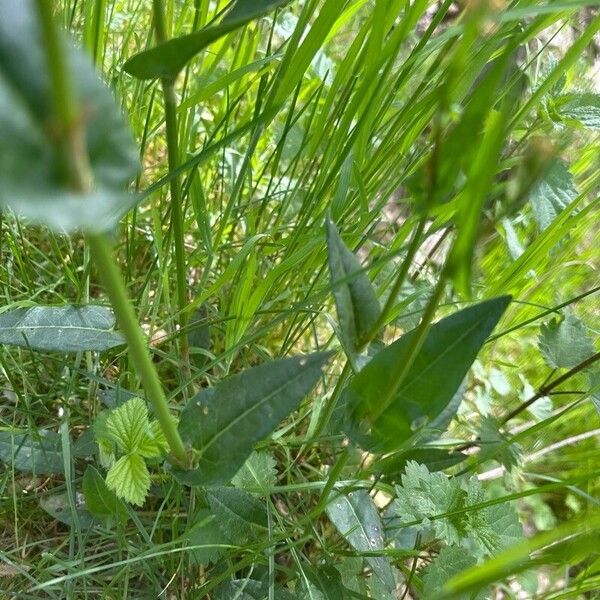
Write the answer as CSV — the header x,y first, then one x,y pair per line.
x,y
356,518
356,302
449,562
552,194
423,495
168,58
242,518
128,425
381,416
99,500
60,328
223,423
40,454
565,343
129,479
582,108
35,182
257,474
495,445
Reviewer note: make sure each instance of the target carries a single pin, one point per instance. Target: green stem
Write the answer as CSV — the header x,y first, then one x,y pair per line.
x,y
170,101
138,348
72,139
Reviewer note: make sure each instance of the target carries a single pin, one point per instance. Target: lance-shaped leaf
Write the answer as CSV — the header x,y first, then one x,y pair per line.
x,y
383,413
60,328
356,518
33,168
168,58
224,422
356,303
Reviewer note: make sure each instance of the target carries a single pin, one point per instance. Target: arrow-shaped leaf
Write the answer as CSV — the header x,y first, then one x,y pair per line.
x,y
448,352
223,423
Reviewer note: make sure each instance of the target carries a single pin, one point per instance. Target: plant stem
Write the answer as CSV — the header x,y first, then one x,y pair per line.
x,y
547,388
111,278
76,157
170,101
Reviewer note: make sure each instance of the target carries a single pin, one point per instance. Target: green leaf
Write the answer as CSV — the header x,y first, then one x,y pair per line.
x,y
382,418
34,179
242,518
129,479
40,454
435,500
449,562
324,583
57,505
495,445
356,302
565,343
225,422
581,108
168,58
553,194
423,495
594,378
242,589
60,328
258,474
99,500
356,518
435,459
207,533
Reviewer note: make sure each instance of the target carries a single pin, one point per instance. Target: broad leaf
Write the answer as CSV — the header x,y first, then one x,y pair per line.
x,y
357,306
60,328
206,533
32,168
223,423
168,58
324,583
581,108
40,454
241,517
565,343
57,505
356,518
129,479
99,500
553,194
382,416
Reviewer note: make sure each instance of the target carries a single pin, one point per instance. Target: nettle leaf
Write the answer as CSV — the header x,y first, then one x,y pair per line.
x,y
381,418
495,445
356,302
565,343
129,427
60,328
584,109
99,500
258,474
356,517
449,562
129,479
224,422
35,183
436,501
168,58
40,454
241,517
553,194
